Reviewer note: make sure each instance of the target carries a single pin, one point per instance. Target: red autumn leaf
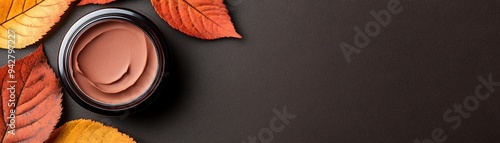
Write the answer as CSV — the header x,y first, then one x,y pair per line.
x,y
205,19
36,99
85,2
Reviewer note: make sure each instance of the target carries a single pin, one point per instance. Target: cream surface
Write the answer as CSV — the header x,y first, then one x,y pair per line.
x,y
114,62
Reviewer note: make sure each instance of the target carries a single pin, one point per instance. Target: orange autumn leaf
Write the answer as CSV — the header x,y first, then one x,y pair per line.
x,y
205,19
29,19
85,2
33,92
84,130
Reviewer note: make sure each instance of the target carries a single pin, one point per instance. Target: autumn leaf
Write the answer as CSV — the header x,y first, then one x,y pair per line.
x,y
84,130
85,2
29,19
33,92
205,19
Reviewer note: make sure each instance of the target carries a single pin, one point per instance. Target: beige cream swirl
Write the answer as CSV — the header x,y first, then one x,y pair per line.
x,y
114,62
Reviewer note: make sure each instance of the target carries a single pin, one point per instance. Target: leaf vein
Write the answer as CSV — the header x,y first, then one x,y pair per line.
x,y
21,12
51,4
8,12
34,16
24,3
37,119
24,24
190,5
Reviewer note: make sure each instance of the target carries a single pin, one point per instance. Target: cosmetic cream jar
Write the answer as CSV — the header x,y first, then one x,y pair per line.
x,y
112,61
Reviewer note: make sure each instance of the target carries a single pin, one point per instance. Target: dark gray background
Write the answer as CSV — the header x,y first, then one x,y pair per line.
x,y
395,90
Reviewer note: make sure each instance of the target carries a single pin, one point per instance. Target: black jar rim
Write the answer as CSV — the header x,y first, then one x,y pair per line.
x,y
103,15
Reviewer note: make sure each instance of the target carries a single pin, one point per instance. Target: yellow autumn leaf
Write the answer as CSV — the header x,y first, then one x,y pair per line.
x,y
84,130
29,19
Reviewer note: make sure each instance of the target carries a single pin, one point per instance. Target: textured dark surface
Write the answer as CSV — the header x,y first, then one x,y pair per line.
x,y
395,90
